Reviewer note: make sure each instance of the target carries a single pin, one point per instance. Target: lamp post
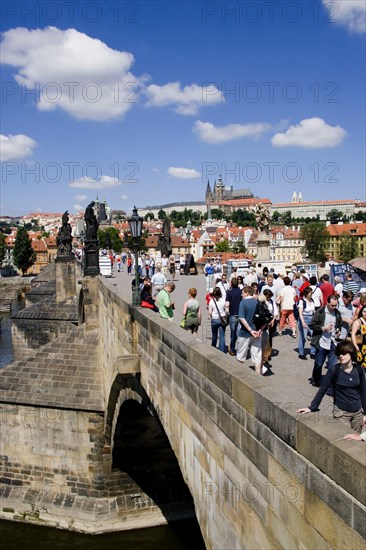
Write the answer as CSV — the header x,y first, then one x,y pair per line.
x,y
135,223
188,234
81,238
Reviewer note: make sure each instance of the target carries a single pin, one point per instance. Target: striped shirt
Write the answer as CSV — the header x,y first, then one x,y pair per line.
x,y
352,286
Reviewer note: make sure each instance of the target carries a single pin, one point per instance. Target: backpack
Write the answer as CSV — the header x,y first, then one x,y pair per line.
x,y
262,316
296,308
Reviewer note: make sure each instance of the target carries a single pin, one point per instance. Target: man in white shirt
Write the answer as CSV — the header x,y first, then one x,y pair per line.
x,y
164,265
346,310
158,281
338,289
223,285
286,299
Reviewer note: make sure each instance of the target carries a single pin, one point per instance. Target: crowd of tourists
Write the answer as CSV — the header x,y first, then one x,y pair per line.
x,y
328,322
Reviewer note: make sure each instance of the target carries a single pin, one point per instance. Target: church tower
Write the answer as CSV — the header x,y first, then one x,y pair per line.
x,y
219,189
208,198
294,197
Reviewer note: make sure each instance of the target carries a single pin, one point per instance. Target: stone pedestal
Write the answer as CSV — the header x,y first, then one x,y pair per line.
x,y
263,254
65,278
91,257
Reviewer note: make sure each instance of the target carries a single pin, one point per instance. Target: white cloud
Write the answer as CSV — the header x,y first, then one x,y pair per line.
x,y
80,197
310,133
186,101
39,210
209,133
105,182
123,197
155,169
75,73
183,173
78,208
16,147
348,13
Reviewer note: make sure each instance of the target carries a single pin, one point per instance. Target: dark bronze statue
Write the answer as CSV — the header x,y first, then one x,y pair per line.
x,y
64,237
91,222
165,243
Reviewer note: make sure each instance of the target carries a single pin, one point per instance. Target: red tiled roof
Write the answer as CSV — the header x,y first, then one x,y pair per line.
x,y
335,230
243,202
39,246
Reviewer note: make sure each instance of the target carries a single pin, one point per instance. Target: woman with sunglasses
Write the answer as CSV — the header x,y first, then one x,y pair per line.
x,y
349,386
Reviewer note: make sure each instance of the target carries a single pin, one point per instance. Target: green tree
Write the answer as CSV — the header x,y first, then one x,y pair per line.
x,y
23,254
348,248
244,218
217,214
130,243
287,218
162,214
316,238
334,216
360,216
115,240
222,246
149,215
2,247
276,216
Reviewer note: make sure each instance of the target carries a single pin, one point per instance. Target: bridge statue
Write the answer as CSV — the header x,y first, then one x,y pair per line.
x,y
64,237
263,217
91,222
91,244
165,243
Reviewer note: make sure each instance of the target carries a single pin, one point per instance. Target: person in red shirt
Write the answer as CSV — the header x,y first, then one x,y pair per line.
x,y
326,288
209,297
304,284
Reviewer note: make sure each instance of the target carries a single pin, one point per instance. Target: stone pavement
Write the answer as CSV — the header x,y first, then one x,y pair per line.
x,y
290,374
65,373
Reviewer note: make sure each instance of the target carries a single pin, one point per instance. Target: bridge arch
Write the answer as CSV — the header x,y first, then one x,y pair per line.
x,y
140,449
124,387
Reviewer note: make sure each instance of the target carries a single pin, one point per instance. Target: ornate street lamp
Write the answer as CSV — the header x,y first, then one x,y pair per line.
x,y
135,223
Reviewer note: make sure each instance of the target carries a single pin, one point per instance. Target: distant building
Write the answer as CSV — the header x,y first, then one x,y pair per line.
x,y
337,231
196,206
102,211
222,192
311,209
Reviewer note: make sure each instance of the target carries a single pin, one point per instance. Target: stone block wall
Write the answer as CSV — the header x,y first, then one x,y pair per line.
x,y
54,471
259,477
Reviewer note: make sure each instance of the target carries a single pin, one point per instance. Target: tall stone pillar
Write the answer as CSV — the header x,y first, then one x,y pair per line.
x,y
91,257
263,252
65,278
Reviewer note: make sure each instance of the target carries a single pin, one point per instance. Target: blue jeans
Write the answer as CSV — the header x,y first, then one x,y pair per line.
x,y
218,329
320,357
303,334
233,320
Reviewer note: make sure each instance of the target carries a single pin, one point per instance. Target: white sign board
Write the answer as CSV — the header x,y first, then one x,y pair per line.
x,y
105,266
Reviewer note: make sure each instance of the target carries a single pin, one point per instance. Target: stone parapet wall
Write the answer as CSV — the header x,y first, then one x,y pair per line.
x,y
259,476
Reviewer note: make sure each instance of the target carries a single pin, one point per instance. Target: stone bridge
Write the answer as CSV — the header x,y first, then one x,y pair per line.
x,y
258,476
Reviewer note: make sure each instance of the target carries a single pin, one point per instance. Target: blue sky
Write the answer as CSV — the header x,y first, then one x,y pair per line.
x,y
142,102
